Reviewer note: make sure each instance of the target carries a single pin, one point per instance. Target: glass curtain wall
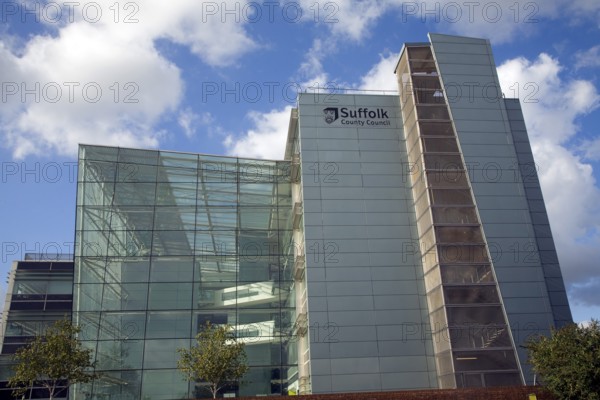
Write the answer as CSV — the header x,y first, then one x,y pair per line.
x,y
472,340
40,293
167,241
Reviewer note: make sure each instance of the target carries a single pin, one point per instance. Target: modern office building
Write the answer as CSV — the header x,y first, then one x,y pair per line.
x,y
39,293
401,243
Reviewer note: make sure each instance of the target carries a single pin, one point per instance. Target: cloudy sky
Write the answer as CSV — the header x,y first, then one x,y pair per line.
x,y
220,77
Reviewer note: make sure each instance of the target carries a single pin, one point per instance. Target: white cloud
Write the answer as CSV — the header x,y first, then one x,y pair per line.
x,y
498,20
590,149
552,105
266,140
138,85
189,121
381,76
268,137
311,74
88,87
506,20
570,190
217,37
355,18
347,19
588,58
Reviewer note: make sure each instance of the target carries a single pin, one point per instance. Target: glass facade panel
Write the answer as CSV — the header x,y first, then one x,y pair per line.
x,y
462,254
440,145
459,234
451,197
432,112
429,96
117,354
167,241
444,162
484,360
451,240
163,353
450,178
480,337
466,274
170,296
163,384
420,53
454,215
482,315
502,379
168,324
471,294
426,82
123,296
423,67
172,269
436,128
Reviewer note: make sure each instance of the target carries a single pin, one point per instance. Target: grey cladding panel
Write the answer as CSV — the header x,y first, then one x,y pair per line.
x,y
364,211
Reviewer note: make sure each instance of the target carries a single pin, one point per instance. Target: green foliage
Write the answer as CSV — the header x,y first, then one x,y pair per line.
x,y
51,359
569,361
216,359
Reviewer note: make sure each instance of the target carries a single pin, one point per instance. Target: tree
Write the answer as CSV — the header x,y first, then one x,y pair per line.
x,y
52,360
569,361
217,358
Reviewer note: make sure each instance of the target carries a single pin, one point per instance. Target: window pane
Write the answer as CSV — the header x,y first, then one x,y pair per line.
x,y
429,96
440,145
458,234
462,254
444,162
424,67
149,157
170,296
432,112
426,82
127,172
502,379
175,218
168,325
451,197
466,273
134,194
122,326
454,215
163,385
173,243
163,353
480,337
471,295
437,128
118,354
483,315
172,269
125,296
420,53
484,360
448,178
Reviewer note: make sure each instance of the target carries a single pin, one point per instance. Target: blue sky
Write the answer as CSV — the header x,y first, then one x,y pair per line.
x,y
220,77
